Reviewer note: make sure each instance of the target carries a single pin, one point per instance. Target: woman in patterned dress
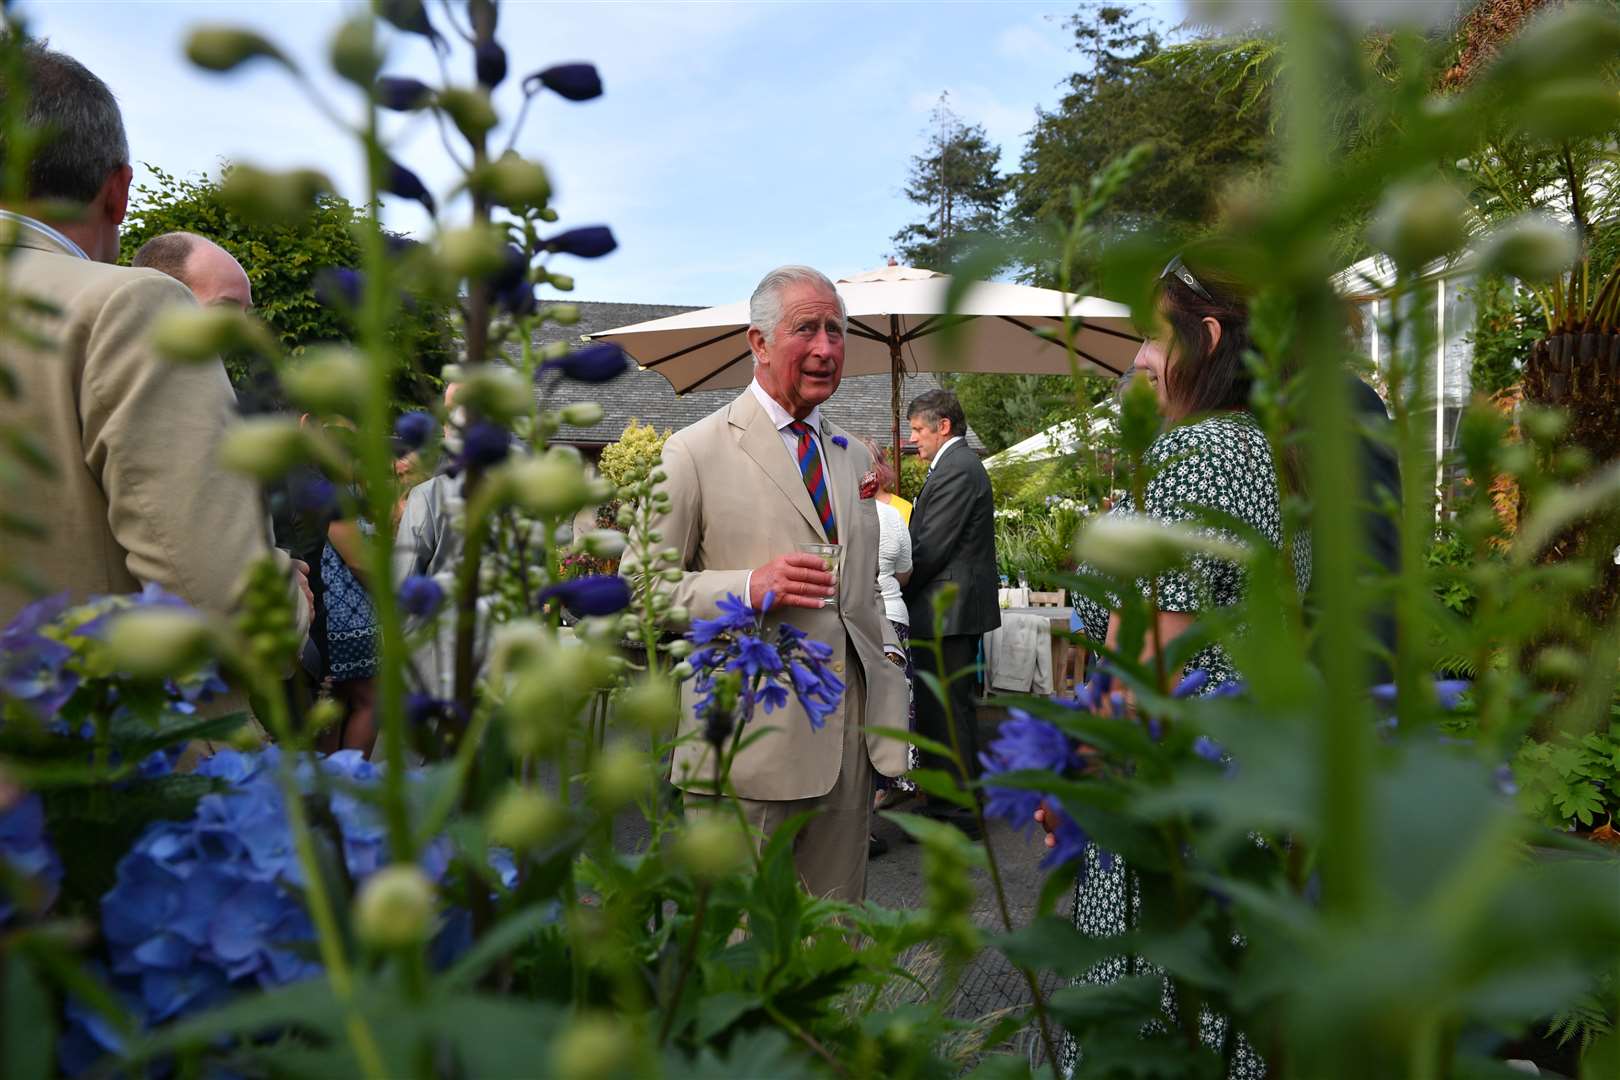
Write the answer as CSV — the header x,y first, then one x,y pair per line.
x,y
1212,455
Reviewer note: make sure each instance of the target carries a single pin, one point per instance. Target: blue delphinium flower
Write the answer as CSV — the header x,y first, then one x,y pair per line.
x,y
402,94
1208,749
314,494
1190,684
595,594
485,444
576,82
489,63
587,242
339,287
398,180
414,428
420,596
31,864
33,667
598,363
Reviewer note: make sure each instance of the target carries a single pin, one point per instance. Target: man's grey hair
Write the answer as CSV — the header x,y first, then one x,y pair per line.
x,y
80,130
168,253
765,306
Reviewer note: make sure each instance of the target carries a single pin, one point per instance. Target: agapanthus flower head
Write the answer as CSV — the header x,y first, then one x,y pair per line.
x,y
1208,749
594,594
754,657
420,595
576,82
32,867
1025,742
765,670
595,363
1190,684
398,180
403,95
413,429
489,62
735,615
587,242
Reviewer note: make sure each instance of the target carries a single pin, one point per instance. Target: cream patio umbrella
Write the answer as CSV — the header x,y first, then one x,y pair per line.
x,y
895,315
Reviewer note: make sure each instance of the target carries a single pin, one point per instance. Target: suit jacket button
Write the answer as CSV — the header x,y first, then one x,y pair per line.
x,y
838,667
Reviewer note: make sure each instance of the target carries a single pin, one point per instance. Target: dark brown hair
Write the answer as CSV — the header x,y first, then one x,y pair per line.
x,y
881,468
1201,378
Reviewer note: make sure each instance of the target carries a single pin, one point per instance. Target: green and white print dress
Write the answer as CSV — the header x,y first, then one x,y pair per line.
x,y
1223,464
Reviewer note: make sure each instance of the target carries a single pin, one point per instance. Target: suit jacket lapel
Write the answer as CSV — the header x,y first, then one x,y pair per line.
x,y
761,441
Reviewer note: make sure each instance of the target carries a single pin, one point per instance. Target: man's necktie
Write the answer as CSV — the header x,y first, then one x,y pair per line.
x,y
815,478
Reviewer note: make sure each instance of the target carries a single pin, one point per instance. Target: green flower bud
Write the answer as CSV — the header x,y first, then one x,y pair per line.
x,y
1544,425
672,576
582,414
354,52
395,907
621,776
650,704
604,543
1559,663
264,447
711,847
512,181
523,818
1531,247
1126,546
328,379
563,314
453,373
197,335
599,488
272,198
515,646
548,486
156,642
1419,223
591,1047
562,282
680,649
683,671
495,392
677,615
325,713
470,111
224,48
473,252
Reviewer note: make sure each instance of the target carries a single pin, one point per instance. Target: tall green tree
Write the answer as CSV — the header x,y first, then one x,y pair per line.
x,y
283,262
1204,135
957,180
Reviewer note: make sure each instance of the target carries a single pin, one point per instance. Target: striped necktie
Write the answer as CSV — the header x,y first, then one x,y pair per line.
x,y
815,478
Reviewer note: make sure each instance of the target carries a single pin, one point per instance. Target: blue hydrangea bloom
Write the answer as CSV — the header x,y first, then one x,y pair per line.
x,y
29,859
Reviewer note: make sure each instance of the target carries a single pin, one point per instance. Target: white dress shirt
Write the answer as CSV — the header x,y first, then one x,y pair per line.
x,y
943,450
894,557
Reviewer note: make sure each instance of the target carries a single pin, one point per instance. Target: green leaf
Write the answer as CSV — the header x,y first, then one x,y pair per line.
x,y
921,742
942,785
1053,944
27,1023
509,934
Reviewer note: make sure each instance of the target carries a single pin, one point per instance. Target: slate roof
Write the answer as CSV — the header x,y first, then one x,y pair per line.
x,y
861,406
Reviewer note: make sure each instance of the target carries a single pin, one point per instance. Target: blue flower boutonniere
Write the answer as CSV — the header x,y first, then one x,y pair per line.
x,y
840,442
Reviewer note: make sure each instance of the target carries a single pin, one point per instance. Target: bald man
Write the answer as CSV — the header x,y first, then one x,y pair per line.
x,y
211,273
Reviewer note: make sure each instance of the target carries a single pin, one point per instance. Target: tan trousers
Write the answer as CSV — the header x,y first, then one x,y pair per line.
x,y
830,851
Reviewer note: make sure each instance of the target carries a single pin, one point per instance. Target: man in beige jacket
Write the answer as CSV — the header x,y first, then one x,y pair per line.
x,y
135,494
739,506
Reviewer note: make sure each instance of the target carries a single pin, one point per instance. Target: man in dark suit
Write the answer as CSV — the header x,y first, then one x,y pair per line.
x,y
953,541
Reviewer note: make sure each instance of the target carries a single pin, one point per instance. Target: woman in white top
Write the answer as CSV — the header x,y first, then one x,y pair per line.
x,y
894,568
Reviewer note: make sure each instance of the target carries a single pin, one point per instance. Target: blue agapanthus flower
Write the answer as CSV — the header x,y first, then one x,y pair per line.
x,y
31,864
1024,742
735,641
420,595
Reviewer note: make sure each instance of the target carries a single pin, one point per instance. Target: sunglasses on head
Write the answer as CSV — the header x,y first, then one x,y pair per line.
x,y
1177,269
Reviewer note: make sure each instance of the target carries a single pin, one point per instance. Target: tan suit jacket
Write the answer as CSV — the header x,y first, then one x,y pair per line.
x,y
136,494
737,501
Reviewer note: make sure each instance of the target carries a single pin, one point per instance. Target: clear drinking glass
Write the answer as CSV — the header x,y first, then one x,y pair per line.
x,y
832,557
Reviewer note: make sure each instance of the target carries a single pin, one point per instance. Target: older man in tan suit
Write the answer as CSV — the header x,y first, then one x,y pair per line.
x,y
739,506
135,494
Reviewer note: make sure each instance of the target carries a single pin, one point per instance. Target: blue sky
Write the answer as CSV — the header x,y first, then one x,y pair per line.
x,y
732,137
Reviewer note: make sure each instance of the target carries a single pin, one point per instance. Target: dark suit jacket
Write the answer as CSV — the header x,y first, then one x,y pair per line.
x,y
953,538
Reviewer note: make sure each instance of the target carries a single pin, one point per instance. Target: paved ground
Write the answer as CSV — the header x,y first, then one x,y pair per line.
x,y
990,986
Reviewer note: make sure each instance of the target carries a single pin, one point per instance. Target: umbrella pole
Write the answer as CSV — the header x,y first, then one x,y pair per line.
x,y
894,393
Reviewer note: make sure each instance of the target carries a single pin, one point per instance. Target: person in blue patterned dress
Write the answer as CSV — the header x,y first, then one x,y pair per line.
x,y
1212,456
